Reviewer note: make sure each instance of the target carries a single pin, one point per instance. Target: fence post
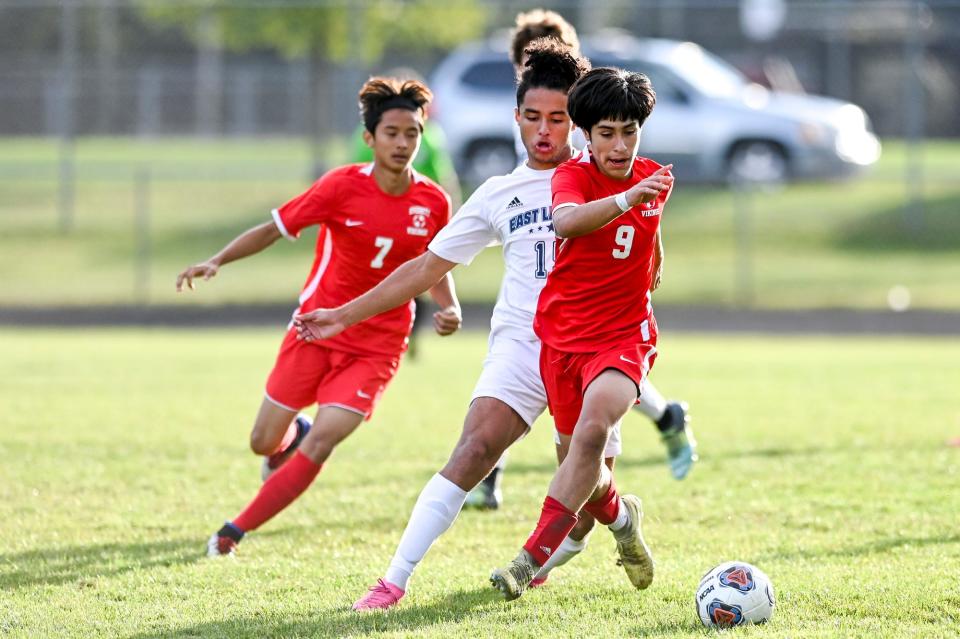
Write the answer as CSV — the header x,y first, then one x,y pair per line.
x,y
68,88
914,110
141,257
743,200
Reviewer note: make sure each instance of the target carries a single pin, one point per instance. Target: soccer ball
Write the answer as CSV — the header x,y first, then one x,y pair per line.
x,y
734,593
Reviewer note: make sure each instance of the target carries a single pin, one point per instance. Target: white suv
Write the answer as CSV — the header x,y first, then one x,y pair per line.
x,y
710,121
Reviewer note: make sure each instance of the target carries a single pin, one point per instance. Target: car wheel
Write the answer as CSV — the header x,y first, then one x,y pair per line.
x,y
487,158
757,162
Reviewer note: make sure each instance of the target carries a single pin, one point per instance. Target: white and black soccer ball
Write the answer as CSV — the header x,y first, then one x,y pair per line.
x,y
734,593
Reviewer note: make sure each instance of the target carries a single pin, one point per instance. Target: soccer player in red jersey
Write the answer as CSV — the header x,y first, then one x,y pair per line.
x,y
373,218
595,319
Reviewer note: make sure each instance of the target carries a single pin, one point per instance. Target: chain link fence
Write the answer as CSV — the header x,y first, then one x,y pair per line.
x,y
135,134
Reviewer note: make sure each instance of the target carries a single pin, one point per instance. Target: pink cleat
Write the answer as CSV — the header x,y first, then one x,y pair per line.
x,y
537,582
384,595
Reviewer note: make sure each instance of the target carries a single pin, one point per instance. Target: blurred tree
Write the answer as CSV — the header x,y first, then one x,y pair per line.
x,y
336,30
326,33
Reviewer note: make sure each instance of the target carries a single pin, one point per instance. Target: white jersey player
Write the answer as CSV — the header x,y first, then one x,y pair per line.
x,y
513,211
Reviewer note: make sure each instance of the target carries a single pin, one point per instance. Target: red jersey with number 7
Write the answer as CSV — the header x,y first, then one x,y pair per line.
x,y
365,234
598,294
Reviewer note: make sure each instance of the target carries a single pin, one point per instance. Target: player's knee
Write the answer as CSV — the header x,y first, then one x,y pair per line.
x,y
475,448
260,444
592,435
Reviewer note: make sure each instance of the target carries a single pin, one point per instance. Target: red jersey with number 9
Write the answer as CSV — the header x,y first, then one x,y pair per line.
x,y
365,234
598,294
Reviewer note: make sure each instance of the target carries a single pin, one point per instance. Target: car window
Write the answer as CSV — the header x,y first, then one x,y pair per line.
x,y
490,76
666,88
706,72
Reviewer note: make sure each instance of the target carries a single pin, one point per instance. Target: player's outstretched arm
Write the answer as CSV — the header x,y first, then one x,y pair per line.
x,y
574,221
409,280
247,243
448,319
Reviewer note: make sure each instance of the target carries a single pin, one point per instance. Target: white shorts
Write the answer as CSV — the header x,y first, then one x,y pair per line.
x,y
511,373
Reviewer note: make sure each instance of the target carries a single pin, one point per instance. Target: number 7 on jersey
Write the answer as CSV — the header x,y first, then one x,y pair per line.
x,y
384,244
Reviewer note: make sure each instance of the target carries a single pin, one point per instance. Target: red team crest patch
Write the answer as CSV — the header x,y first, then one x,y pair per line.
x,y
418,220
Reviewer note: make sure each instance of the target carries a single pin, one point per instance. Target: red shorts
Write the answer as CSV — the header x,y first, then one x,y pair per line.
x,y
566,376
306,373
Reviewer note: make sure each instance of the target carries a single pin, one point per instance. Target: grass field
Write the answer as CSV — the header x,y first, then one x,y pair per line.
x,y
812,245
822,462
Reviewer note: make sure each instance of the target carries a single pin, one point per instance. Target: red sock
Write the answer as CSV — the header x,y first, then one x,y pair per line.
x,y
605,509
278,492
556,522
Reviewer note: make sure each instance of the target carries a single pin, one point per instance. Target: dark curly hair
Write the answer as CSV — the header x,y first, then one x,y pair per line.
x,y
550,65
380,94
606,93
539,23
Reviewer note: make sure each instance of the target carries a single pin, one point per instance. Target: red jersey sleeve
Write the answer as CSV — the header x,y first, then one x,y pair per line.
x,y
568,185
313,206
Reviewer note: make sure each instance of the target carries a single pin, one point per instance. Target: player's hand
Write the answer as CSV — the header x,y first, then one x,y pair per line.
x,y
448,320
650,187
322,323
206,270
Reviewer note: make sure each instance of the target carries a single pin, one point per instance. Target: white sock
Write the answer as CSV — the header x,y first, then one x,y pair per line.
x,y
435,511
623,518
652,403
569,548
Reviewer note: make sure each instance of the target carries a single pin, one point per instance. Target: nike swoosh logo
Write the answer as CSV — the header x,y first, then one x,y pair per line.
x,y
629,361
354,222
363,395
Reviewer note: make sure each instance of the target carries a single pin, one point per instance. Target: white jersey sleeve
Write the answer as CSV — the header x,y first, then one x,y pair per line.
x,y
468,232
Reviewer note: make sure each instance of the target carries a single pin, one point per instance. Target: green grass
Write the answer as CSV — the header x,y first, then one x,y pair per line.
x,y
822,462
812,245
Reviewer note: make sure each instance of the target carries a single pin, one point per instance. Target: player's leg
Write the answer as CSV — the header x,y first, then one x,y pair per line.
x,y
332,425
277,432
672,423
581,475
489,428
581,478
576,541
346,387
292,385
511,373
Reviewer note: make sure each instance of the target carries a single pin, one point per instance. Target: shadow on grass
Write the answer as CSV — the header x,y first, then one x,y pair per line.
x,y
65,564
70,563
937,229
627,461
339,622
550,467
468,605
877,546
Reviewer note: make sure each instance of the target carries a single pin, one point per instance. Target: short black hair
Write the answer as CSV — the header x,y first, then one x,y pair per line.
x,y
607,93
550,65
380,94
